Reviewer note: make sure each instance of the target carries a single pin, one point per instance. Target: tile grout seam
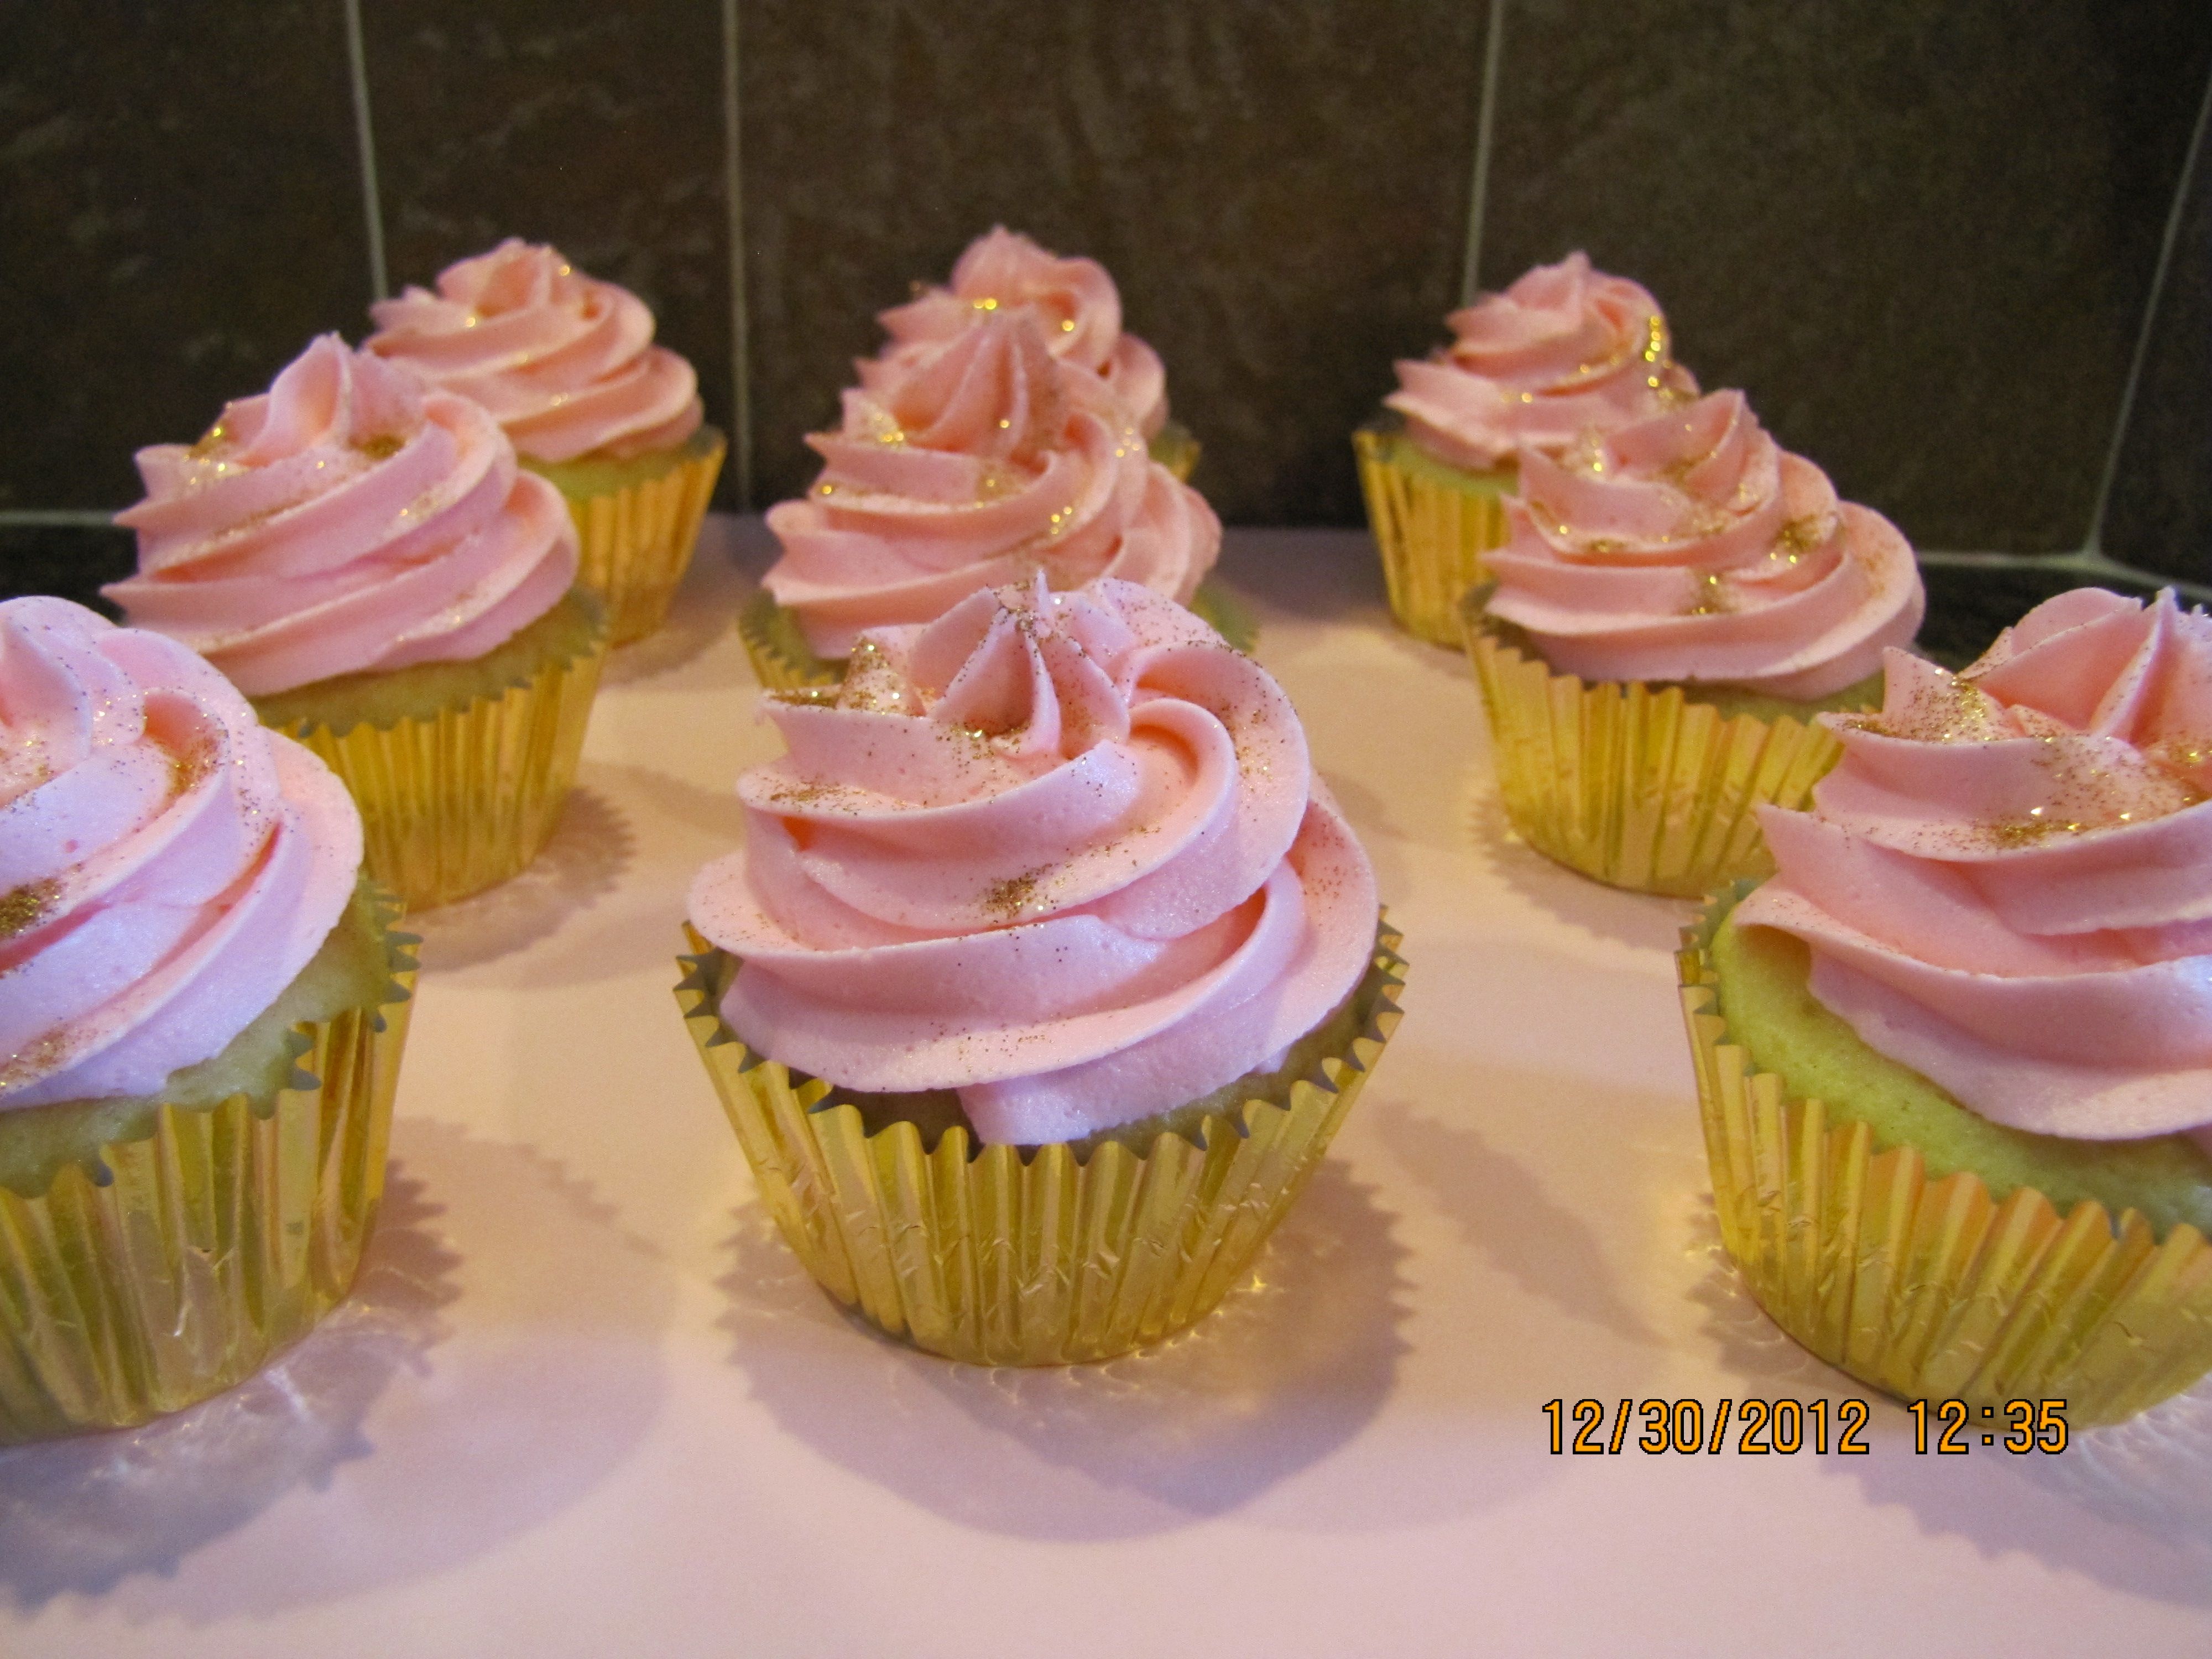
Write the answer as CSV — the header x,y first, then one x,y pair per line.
x,y
1470,282
741,410
365,142
2102,503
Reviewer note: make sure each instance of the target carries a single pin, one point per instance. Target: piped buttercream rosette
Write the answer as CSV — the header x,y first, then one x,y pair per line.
x,y
1061,853
1689,546
986,462
1074,300
565,363
1564,352
2006,883
347,520
167,864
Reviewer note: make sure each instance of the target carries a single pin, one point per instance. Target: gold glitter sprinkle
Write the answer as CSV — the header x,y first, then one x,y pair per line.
x,y
382,447
26,906
1713,597
1005,900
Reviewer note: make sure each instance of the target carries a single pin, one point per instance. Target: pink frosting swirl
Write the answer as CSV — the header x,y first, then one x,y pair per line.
x,y
167,864
347,519
2006,883
1689,546
565,363
1564,353
1062,853
1074,300
987,460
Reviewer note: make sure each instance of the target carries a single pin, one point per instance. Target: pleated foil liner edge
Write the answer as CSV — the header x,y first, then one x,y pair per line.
x,y
1003,1260
214,1242
456,804
1431,539
1639,788
1932,1290
635,544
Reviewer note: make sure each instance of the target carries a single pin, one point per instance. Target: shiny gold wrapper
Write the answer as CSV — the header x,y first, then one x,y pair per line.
x,y
1932,1290
1025,1257
1432,536
222,1237
456,803
1175,448
783,661
776,646
635,542
1636,786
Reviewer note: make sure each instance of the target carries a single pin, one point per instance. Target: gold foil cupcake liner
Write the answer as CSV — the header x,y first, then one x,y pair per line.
x,y
202,1249
1933,1289
456,803
1006,1255
1637,787
783,661
1430,535
776,646
635,543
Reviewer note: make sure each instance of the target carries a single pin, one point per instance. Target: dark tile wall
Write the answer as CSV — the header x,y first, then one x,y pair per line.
x,y
598,128
1923,238
2161,512
1280,190
180,210
71,560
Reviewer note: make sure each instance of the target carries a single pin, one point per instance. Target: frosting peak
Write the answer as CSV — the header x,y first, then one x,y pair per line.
x,y
2007,882
1074,300
167,864
986,461
1062,853
1564,353
346,519
565,363
1688,545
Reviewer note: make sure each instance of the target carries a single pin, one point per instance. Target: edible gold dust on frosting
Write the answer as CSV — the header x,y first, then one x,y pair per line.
x,y
24,907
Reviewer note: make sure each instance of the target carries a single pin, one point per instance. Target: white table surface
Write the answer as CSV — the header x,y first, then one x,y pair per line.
x,y
584,1402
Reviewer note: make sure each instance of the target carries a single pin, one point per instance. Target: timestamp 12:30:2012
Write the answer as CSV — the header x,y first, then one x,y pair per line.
x,y
1764,1427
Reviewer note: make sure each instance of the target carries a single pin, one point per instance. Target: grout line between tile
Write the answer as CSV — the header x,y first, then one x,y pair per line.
x,y
69,517
741,398
1486,119
2126,411
365,139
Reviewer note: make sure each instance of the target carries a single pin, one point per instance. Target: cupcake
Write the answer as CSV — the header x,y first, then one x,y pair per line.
x,y
361,557
1672,605
567,365
200,1034
985,460
1561,357
1044,976
1955,1057
1081,311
